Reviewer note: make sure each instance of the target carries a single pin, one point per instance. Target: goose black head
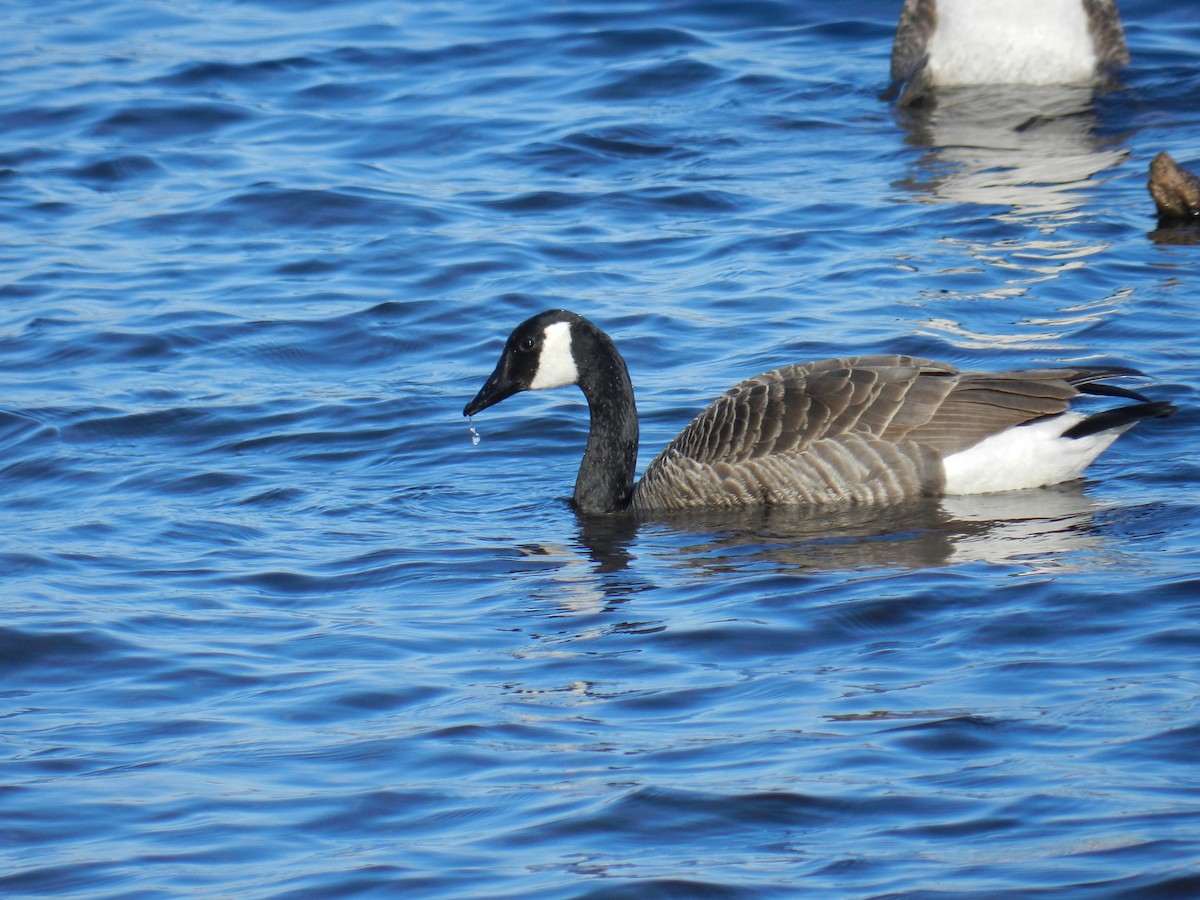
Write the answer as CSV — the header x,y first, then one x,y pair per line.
x,y
537,355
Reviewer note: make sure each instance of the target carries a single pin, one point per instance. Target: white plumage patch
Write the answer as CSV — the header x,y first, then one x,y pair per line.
x,y
1026,456
556,362
1011,42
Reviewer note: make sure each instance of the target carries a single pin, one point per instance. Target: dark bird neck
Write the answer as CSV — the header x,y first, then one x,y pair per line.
x,y
605,482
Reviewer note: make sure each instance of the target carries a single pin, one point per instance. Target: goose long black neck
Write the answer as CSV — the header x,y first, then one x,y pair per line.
x,y
605,481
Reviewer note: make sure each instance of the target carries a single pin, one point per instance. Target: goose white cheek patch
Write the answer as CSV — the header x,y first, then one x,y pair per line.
x,y
556,363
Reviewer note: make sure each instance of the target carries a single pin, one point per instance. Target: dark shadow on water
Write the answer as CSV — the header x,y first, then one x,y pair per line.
x,y
1176,233
608,539
1031,528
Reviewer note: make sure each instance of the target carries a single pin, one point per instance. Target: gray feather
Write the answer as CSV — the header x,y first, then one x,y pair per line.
x,y
918,19
1108,37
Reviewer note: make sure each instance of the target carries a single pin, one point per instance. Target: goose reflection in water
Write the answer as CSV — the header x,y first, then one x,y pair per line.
x,y
1044,530
1031,148
1033,153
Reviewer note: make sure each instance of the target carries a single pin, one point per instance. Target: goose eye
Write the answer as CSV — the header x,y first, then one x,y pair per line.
x,y
527,344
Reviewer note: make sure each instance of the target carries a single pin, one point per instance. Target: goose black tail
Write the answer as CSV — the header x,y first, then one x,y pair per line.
x,y
1111,390
1121,417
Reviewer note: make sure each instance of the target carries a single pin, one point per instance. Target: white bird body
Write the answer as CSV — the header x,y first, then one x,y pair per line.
x,y
956,43
1011,42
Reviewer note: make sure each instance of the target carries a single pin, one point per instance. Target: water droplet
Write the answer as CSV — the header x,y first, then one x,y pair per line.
x,y
474,433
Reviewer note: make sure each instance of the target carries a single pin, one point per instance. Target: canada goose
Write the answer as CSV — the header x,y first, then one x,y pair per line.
x,y
866,429
948,43
1175,190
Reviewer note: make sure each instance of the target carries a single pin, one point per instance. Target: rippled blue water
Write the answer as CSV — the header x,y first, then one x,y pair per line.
x,y
274,628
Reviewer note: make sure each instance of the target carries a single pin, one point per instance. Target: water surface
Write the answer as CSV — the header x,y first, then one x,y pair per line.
x,y
273,627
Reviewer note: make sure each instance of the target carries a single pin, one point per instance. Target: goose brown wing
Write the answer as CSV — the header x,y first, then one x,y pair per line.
x,y
824,432
985,403
870,429
893,398
786,410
